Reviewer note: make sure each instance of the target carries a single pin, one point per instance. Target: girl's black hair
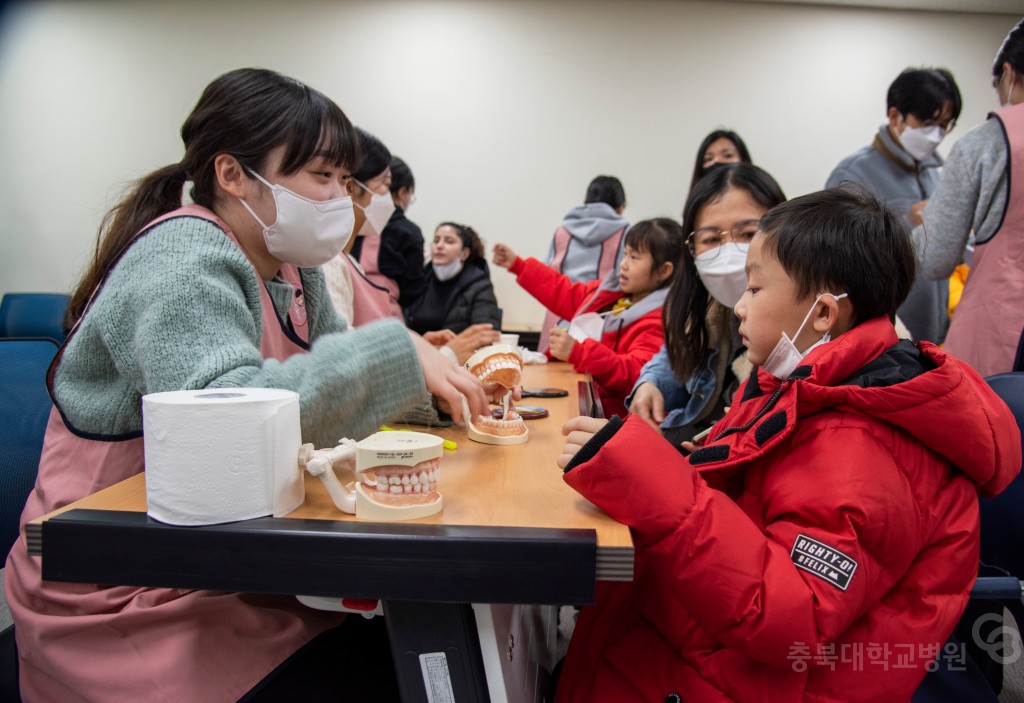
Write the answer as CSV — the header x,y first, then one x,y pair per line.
x,y
663,238
686,308
606,189
247,113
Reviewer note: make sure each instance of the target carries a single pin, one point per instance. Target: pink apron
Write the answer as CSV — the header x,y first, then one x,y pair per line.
x,y
989,319
370,302
609,248
368,259
121,643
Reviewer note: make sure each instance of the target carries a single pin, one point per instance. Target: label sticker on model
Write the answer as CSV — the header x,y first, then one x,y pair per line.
x,y
825,562
436,678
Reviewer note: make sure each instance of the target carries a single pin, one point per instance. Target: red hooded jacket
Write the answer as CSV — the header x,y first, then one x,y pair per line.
x,y
819,547
615,362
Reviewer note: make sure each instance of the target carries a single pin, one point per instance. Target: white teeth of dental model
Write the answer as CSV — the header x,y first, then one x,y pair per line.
x,y
501,364
396,474
404,484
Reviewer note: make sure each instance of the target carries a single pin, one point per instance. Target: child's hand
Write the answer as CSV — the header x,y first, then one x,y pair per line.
x,y
503,256
649,404
560,344
578,432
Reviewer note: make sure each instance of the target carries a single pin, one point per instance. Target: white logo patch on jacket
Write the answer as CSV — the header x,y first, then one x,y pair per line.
x,y
825,562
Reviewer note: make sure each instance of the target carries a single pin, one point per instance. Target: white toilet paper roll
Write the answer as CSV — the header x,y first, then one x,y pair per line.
x,y
219,455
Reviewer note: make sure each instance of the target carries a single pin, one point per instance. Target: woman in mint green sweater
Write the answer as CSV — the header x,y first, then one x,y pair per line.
x,y
225,292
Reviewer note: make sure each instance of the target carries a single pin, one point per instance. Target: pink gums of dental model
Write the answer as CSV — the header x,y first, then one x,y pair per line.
x,y
396,474
501,364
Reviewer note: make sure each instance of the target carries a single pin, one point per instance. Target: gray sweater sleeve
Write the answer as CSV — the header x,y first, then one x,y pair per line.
x,y
181,310
971,195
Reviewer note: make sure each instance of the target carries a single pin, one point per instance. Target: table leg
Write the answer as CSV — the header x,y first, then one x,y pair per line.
x,y
436,651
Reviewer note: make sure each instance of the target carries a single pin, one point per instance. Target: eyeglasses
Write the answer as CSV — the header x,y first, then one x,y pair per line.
x,y
712,238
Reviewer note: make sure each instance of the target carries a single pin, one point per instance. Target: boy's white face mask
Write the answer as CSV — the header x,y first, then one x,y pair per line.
x,y
785,357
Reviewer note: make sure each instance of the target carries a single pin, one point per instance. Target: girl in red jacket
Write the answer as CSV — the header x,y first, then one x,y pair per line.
x,y
616,325
822,543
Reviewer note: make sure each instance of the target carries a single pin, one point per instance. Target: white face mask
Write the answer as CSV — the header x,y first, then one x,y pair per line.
x,y
446,272
378,212
307,233
785,357
920,142
722,272
589,325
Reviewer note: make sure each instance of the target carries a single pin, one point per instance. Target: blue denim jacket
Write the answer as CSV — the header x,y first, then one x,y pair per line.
x,y
684,402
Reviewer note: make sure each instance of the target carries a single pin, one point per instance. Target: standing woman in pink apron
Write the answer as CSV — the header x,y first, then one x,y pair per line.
x,y
223,292
982,190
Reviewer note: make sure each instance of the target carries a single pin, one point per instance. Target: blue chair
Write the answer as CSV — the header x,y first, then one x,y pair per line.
x,y
33,315
24,409
999,584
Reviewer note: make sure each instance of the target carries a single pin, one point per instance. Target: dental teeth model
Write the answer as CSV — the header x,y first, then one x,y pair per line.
x,y
501,364
396,474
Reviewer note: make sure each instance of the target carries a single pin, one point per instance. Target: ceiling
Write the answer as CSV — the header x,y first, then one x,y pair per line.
x,y
985,7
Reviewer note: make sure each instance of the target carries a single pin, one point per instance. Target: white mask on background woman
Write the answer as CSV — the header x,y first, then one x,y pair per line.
x,y
378,212
446,272
307,233
722,271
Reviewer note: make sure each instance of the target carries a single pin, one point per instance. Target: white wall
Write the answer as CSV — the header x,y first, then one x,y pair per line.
x,y
505,109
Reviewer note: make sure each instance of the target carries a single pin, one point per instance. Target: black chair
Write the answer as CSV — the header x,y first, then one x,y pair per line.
x,y
24,409
999,585
33,315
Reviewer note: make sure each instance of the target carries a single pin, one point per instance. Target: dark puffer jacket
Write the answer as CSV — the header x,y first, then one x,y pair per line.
x,y
455,304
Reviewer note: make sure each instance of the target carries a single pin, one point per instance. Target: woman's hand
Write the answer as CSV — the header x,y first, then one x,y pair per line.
x,y
449,382
560,344
578,432
472,338
649,404
503,256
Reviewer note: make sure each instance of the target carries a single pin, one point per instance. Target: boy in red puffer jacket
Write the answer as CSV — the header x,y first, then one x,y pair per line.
x,y
820,546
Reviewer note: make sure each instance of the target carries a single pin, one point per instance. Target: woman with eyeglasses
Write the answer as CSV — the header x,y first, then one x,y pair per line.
x,y
687,385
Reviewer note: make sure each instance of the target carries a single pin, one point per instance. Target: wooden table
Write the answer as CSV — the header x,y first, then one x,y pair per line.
x,y
511,532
